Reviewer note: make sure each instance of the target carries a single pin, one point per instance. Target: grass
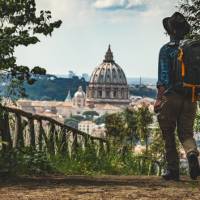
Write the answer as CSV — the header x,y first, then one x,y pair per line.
x,y
87,162
84,162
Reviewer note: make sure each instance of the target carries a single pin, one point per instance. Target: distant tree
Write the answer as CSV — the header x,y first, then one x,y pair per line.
x,y
130,125
90,114
15,90
77,117
121,127
190,9
71,122
115,128
144,119
157,147
101,119
20,25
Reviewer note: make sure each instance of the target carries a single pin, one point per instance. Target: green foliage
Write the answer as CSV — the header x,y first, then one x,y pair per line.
x,y
121,128
25,161
190,9
197,123
73,121
15,89
88,162
144,119
78,118
89,115
101,119
130,124
157,147
20,25
115,127
53,88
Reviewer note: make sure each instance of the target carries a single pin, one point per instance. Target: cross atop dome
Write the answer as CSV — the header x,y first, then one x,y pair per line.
x,y
109,55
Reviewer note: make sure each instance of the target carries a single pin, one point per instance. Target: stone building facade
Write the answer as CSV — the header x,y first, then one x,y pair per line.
x,y
108,83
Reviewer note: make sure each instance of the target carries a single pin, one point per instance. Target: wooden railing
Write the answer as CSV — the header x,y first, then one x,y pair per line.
x,y
20,129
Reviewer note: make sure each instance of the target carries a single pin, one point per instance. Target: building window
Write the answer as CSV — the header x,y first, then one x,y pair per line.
x,y
100,94
122,93
107,94
115,94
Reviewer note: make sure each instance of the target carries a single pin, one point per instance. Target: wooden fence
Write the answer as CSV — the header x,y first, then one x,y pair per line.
x,y
20,129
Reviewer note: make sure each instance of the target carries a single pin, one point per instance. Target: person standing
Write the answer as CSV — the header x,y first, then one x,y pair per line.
x,y
174,106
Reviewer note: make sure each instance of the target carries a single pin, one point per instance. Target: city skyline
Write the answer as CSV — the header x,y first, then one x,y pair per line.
x,y
132,27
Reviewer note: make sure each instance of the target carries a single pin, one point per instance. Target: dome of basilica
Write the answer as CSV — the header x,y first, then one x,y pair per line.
x,y
79,98
80,93
108,72
108,83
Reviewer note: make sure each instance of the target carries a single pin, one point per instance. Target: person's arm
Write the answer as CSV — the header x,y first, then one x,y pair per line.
x,y
163,76
163,68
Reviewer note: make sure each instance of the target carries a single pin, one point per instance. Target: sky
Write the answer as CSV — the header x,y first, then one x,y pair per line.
x,y
133,28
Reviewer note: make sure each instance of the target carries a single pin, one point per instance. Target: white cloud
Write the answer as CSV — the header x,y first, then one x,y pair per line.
x,y
119,4
73,13
109,3
84,12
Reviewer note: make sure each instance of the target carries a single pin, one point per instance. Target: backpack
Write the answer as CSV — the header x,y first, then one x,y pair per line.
x,y
186,69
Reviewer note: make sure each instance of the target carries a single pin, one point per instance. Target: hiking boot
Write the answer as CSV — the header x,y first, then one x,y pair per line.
x,y
171,175
194,169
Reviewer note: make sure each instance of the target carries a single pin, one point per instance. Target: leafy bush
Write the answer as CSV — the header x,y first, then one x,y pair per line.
x,y
26,161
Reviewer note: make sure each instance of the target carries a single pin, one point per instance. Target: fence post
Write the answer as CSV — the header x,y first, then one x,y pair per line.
x,y
64,143
52,139
41,132
85,141
107,146
101,147
19,138
32,132
6,136
75,143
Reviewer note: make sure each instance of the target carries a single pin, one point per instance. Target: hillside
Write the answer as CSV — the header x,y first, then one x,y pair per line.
x,y
53,88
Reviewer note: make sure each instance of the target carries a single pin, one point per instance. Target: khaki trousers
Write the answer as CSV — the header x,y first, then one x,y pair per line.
x,y
178,112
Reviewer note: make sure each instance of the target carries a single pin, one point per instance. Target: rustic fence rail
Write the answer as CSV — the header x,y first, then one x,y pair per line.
x,y
20,129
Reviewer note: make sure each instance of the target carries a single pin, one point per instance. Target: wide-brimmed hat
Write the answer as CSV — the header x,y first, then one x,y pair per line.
x,y
176,22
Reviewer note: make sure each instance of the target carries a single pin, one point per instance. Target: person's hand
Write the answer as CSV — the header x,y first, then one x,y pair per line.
x,y
158,103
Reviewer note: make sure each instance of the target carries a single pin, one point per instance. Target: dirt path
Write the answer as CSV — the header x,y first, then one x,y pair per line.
x,y
98,188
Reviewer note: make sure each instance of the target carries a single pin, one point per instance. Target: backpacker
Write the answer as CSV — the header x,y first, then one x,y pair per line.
x,y
186,69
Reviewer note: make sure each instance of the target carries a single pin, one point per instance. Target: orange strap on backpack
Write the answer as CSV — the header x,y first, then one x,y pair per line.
x,y
180,58
192,86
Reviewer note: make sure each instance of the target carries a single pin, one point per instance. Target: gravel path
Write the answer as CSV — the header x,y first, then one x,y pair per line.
x,y
98,188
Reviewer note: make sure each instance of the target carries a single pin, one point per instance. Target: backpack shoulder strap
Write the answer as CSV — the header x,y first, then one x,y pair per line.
x,y
180,58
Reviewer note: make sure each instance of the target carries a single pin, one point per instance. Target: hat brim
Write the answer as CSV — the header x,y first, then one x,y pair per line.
x,y
166,24
170,24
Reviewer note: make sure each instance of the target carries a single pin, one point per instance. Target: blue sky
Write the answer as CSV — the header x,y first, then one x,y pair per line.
x,y
132,27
